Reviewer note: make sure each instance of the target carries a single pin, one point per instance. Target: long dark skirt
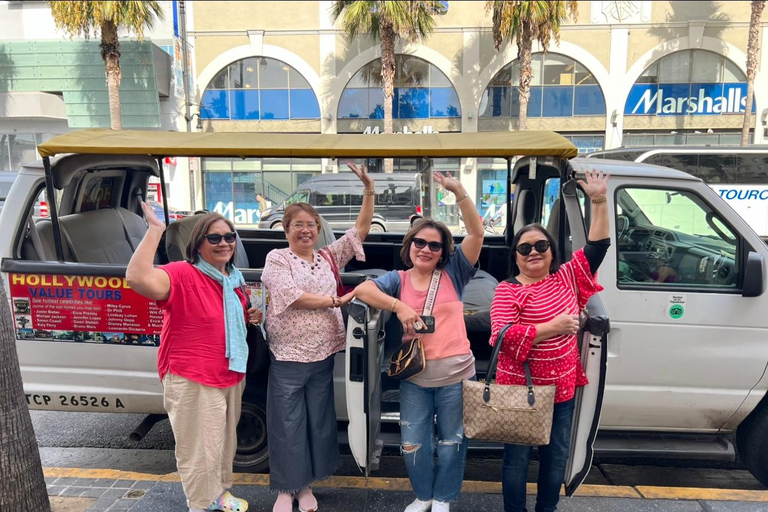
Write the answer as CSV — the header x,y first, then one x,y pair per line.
x,y
301,424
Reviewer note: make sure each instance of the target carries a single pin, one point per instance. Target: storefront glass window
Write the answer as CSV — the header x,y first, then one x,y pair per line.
x,y
231,185
689,82
259,88
560,87
421,91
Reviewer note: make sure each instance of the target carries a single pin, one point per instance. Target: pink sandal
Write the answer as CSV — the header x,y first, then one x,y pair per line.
x,y
307,500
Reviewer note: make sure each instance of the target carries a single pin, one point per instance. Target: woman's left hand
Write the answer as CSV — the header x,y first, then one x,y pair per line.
x,y
362,173
254,315
448,182
596,184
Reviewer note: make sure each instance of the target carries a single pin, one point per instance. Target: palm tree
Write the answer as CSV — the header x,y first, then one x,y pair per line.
x,y
106,17
754,32
22,486
388,21
524,22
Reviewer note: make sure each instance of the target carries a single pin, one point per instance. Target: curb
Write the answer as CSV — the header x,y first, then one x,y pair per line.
x,y
402,484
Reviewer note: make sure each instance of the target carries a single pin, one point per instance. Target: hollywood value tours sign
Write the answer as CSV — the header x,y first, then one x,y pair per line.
x,y
687,99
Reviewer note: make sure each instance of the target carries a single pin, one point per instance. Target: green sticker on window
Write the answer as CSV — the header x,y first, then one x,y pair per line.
x,y
676,311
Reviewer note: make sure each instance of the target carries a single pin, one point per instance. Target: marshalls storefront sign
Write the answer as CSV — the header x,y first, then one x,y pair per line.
x,y
687,99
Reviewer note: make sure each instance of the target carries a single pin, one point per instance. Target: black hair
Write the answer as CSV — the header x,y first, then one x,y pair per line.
x,y
553,267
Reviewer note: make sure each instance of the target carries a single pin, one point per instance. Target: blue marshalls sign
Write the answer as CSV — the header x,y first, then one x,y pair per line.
x,y
687,99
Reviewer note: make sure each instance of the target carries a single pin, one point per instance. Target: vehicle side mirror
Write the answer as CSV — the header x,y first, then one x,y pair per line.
x,y
668,197
754,276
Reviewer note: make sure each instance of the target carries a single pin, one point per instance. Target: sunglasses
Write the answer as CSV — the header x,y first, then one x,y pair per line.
x,y
420,243
541,247
216,239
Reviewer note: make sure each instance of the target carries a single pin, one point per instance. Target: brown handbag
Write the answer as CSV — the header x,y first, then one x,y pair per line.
x,y
507,414
409,360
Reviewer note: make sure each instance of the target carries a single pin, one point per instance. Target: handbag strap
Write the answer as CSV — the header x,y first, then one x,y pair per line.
x,y
327,256
432,293
492,367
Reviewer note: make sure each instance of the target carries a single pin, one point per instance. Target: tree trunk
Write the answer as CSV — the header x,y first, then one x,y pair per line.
x,y
754,31
22,486
524,48
388,81
110,52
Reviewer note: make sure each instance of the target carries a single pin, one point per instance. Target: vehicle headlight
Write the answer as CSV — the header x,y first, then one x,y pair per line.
x,y
266,213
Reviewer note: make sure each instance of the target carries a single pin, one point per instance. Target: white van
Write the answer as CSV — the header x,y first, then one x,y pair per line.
x,y
738,174
676,347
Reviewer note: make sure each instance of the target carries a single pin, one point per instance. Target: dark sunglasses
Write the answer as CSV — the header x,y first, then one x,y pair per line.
x,y
541,247
216,239
420,243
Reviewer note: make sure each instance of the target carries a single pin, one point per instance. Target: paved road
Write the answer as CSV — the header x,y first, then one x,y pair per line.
x,y
92,440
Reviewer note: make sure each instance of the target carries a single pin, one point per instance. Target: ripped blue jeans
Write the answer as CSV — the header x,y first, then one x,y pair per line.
x,y
433,479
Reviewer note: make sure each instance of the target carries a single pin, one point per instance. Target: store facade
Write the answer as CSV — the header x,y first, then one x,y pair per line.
x,y
624,73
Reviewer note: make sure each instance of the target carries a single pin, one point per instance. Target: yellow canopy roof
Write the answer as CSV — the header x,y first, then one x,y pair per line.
x,y
240,144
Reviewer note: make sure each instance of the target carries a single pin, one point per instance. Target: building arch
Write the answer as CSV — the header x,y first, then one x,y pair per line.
x,y
337,86
242,52
571,50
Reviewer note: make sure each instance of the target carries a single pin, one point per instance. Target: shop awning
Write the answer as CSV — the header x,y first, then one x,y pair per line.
x,y
240,144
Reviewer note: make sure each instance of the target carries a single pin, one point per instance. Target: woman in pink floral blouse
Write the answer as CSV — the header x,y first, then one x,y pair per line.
x,y
305,330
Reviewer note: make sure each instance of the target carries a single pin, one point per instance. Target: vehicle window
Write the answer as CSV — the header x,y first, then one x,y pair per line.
x,y
670,237
752,169
685,163
394,194
98,194
332,194
300,196
718,168
5,187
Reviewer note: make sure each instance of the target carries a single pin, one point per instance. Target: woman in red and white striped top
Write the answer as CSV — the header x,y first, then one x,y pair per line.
x,y
543,299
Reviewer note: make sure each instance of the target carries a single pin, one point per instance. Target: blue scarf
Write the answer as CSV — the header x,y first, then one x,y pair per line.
x,y
234,319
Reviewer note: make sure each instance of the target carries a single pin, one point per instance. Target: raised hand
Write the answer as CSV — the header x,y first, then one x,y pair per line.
x,y
448,182
596,184
362,173
152,219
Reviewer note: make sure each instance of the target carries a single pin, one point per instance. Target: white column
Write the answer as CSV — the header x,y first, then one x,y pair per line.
x,y
471,93
327,68
617,71
761,84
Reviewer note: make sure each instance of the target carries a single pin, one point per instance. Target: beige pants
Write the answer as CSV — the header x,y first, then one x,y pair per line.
x,y
204,422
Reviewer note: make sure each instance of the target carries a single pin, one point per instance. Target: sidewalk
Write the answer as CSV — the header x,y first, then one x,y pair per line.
x,y
78,490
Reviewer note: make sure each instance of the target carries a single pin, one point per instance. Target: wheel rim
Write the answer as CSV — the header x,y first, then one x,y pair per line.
x,y
377,228
251,437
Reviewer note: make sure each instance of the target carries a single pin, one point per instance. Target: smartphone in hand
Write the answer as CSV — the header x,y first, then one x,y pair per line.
x,y
428,325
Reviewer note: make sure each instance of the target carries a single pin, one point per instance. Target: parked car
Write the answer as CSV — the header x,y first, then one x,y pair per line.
x,y
172,214
338,197
6,180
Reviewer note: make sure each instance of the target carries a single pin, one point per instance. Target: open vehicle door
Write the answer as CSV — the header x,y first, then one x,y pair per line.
x,y
571,235
364,360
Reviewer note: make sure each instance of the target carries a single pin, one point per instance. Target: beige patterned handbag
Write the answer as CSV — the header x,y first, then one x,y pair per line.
x,y
507,414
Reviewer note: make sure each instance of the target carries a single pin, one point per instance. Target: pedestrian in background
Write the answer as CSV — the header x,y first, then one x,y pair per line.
x,y
436,391
543,300
203,354
305,329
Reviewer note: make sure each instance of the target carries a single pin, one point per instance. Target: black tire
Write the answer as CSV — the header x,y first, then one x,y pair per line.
x,y
277,225
752,443
377,228
252,452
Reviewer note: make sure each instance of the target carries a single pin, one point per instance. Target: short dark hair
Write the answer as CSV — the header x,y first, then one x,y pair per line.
x,y
553,267
445,234
192,251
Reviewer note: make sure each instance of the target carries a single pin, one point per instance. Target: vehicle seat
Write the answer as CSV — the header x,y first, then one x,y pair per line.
x,y
109,235
38,244
326,236
179,232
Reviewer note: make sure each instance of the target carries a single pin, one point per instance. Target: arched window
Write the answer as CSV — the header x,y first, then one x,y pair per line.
x,y
689,82
259,88
421,91
560,87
